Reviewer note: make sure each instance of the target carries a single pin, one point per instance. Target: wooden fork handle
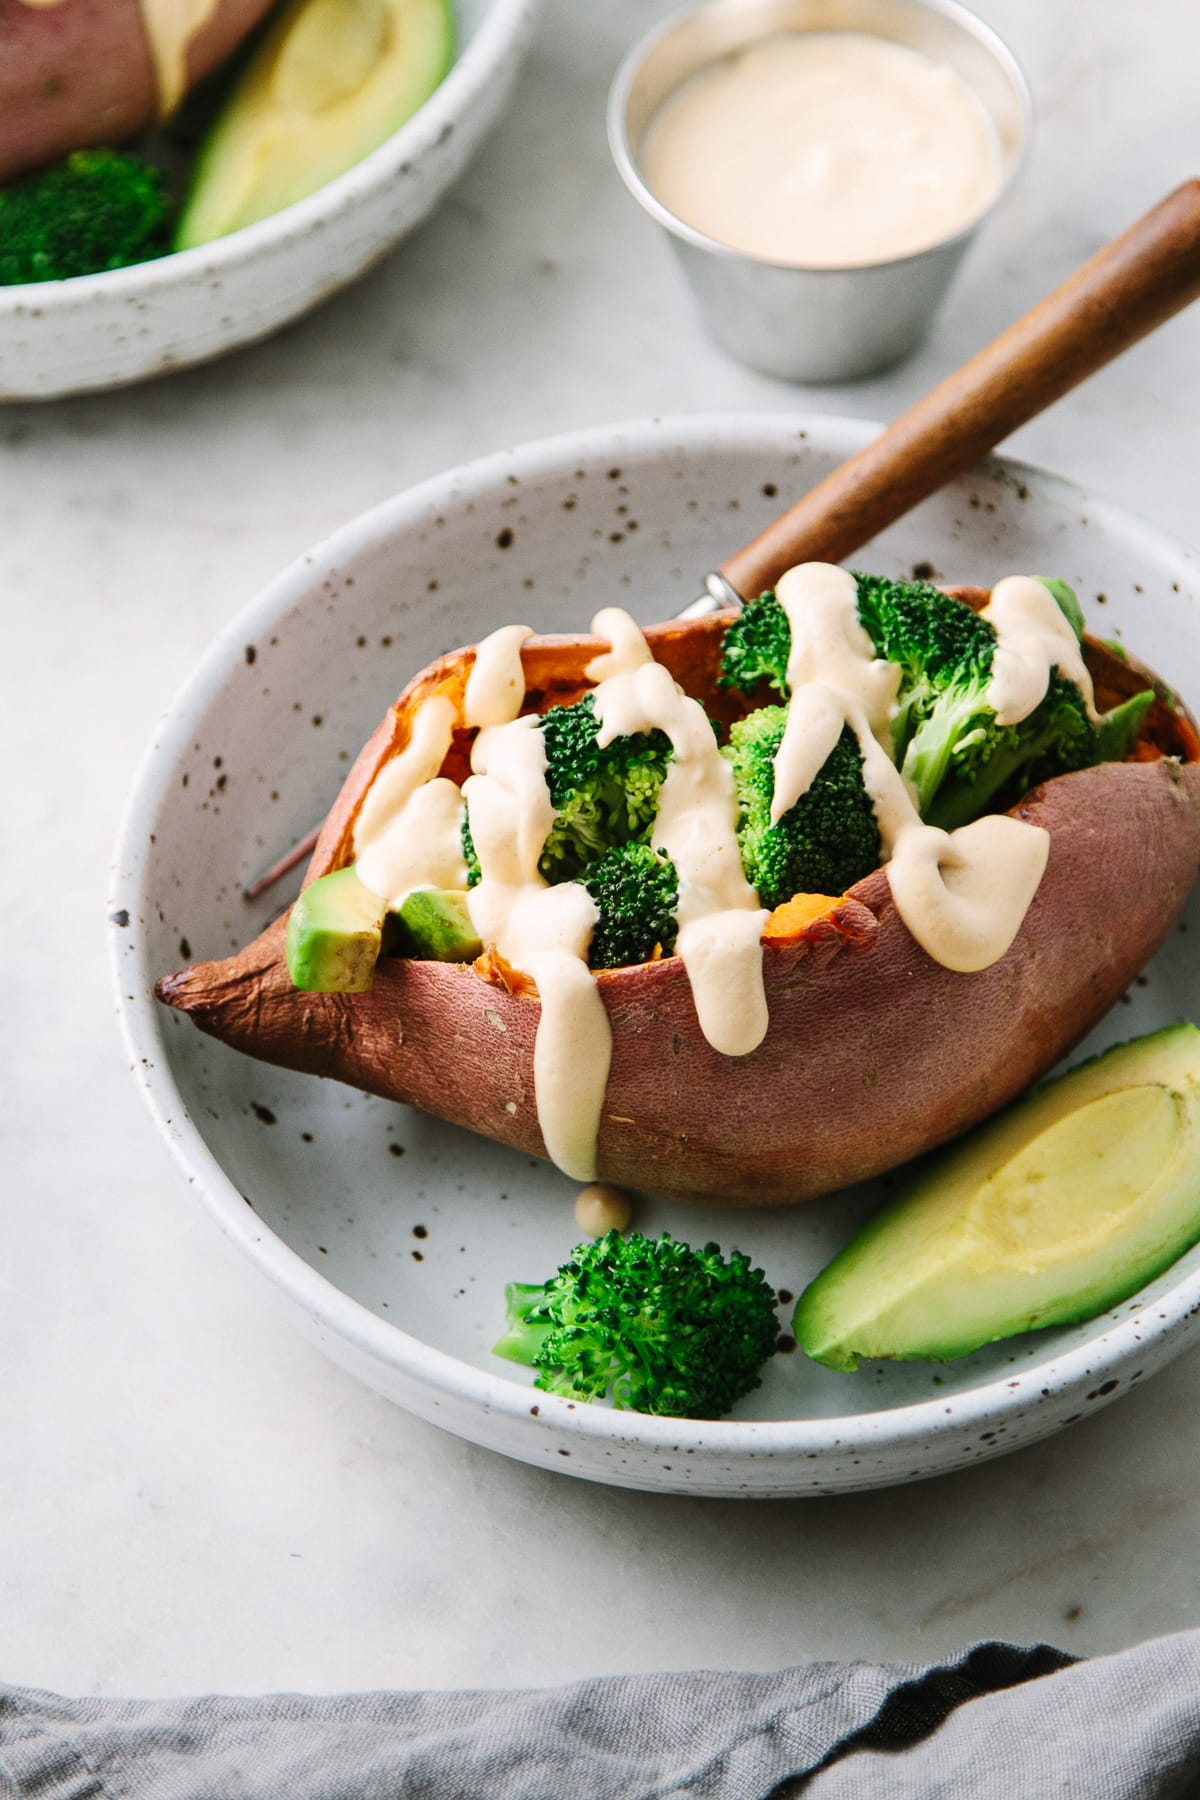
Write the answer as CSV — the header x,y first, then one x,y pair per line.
x,y
1132,285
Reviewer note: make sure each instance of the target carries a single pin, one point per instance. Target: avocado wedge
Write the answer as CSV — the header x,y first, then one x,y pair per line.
x,y
327,84
1057,1210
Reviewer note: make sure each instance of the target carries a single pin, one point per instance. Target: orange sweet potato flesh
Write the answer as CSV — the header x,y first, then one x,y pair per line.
x,y
79,74
874,1054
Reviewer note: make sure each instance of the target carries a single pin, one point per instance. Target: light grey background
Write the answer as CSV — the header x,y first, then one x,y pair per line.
x,y
192,1498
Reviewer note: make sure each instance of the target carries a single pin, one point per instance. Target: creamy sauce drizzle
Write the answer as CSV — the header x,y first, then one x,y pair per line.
x,y
962,894
627,650
824,150
1034,636
170,27
719,915
406,836
496,684
544,931
408,833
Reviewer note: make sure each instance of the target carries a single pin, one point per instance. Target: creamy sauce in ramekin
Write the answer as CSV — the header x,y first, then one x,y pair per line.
x,y
823,150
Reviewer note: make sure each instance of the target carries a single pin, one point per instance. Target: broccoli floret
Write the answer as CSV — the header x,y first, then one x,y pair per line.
x,y
944,653
661,1327
989,759
637,891
824,843
470,854
756,646
100,209
601,795
959,761
604,796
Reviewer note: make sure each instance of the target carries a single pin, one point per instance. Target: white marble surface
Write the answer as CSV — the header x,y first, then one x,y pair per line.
x,y
192,1497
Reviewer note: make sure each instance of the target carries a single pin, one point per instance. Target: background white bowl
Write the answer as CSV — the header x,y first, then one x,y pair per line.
x,y
99,331
324,1188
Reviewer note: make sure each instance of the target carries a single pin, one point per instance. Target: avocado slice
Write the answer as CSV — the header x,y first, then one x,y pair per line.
x,y
1060,1208
327,84
438,925
334,935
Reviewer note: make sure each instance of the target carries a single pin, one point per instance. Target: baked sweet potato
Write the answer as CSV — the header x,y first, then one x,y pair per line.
x,y
81,73
874,1052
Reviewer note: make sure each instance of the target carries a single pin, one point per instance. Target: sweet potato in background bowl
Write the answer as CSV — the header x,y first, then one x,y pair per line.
x,y
81,72
304,1174
98,331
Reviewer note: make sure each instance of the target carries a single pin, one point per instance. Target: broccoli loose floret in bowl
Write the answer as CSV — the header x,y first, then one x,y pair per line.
x,y
98,210
651,1323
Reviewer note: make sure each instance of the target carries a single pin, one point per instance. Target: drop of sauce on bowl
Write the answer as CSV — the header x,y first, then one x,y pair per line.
x,y
602,1207
824,150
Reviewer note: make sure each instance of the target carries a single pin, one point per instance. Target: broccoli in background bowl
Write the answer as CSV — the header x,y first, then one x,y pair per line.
x,y
98,210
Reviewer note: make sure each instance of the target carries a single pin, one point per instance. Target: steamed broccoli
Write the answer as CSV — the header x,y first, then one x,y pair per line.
x,y
637,891
662,1327
997,763
945,735
942,648
100,209
958,759
824,843
756,647
602,796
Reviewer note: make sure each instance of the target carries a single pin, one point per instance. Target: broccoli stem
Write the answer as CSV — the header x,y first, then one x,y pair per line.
x,y
1118,730
523,1338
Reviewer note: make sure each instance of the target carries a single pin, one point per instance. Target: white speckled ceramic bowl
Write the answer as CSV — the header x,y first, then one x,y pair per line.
x,y
390,1234
99,331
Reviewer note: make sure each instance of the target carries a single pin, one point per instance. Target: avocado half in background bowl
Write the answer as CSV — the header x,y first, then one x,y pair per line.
x,y
105,330
392,1235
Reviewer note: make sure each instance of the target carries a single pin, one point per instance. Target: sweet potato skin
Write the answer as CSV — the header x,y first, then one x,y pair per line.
x,y
80,74
875,1053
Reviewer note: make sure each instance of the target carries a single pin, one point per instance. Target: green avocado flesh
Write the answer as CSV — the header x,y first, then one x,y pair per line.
x,y
1062,1207
438,926
334,935
328,83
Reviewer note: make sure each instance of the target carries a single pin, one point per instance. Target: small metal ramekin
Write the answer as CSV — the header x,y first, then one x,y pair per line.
x,y
815,324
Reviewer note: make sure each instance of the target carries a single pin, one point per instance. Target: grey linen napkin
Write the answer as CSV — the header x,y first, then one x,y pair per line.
x,y
997,1721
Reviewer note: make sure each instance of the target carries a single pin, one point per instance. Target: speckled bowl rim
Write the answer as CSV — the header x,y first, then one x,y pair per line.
x,y
1087,1367
499,30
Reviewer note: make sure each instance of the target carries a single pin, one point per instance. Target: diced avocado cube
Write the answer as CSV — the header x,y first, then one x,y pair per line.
x,y
439,925
334,935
